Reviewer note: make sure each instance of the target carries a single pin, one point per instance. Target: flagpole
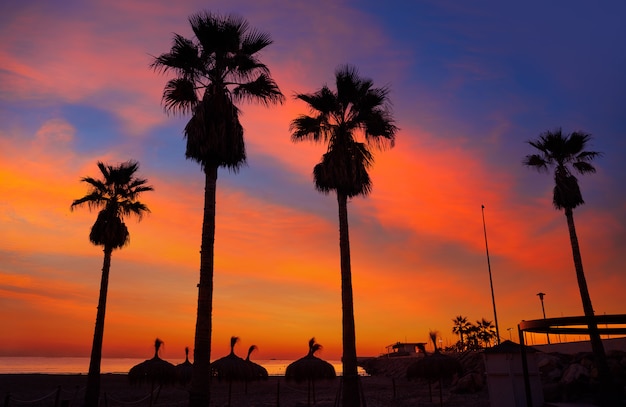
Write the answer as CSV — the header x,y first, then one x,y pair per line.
x,y
493,298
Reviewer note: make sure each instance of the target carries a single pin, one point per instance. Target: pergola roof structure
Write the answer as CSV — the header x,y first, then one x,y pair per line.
x,y
576,325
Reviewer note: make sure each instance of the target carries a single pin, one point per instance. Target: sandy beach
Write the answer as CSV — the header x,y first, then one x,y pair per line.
x,y
276,391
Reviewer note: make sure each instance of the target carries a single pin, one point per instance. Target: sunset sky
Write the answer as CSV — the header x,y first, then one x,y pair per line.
x,y
470,85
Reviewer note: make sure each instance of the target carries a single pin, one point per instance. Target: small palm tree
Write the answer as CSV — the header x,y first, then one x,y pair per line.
x,y
337,116
472,342
461,326
115,195
485,331
213,71
566,154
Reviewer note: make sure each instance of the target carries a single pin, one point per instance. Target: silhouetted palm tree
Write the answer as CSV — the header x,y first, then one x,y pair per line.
x,y
215,69
461,325
116,197
337,116
485,331
472,341
565,154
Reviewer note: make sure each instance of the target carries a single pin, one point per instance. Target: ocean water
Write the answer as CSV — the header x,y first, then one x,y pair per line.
x,y
80,365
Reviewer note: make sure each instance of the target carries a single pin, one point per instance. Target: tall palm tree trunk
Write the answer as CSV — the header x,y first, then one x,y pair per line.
x,y
92,393
350,374
597,347
199,393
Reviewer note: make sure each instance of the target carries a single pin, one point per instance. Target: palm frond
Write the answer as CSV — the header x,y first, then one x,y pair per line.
x,y
254,41
179,96
308,128
576,142
584,167
93,200
263,89
323,101
183,58
241,68
380,130
536,161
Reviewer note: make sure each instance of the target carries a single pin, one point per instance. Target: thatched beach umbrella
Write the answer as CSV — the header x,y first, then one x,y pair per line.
x,y
434,367
310,369
183,370
259,372
232,368
153,371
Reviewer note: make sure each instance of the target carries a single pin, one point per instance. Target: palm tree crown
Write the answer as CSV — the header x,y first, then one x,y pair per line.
x,y
559,151
116,197
356,106
216,68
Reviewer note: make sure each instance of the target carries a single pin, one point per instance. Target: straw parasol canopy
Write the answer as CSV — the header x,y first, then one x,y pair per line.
x,y
184,370
310,369
231,367
259,372
155,371
434,367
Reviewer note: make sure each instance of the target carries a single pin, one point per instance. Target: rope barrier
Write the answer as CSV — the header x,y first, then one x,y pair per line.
x,y
122,402
74,392
11,401
11,398
75,395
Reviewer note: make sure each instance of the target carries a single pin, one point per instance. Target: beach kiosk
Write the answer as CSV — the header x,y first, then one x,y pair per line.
x,y
404,348
505,376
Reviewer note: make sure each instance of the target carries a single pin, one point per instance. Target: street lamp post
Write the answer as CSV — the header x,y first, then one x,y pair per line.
x,y
493,298
541,295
